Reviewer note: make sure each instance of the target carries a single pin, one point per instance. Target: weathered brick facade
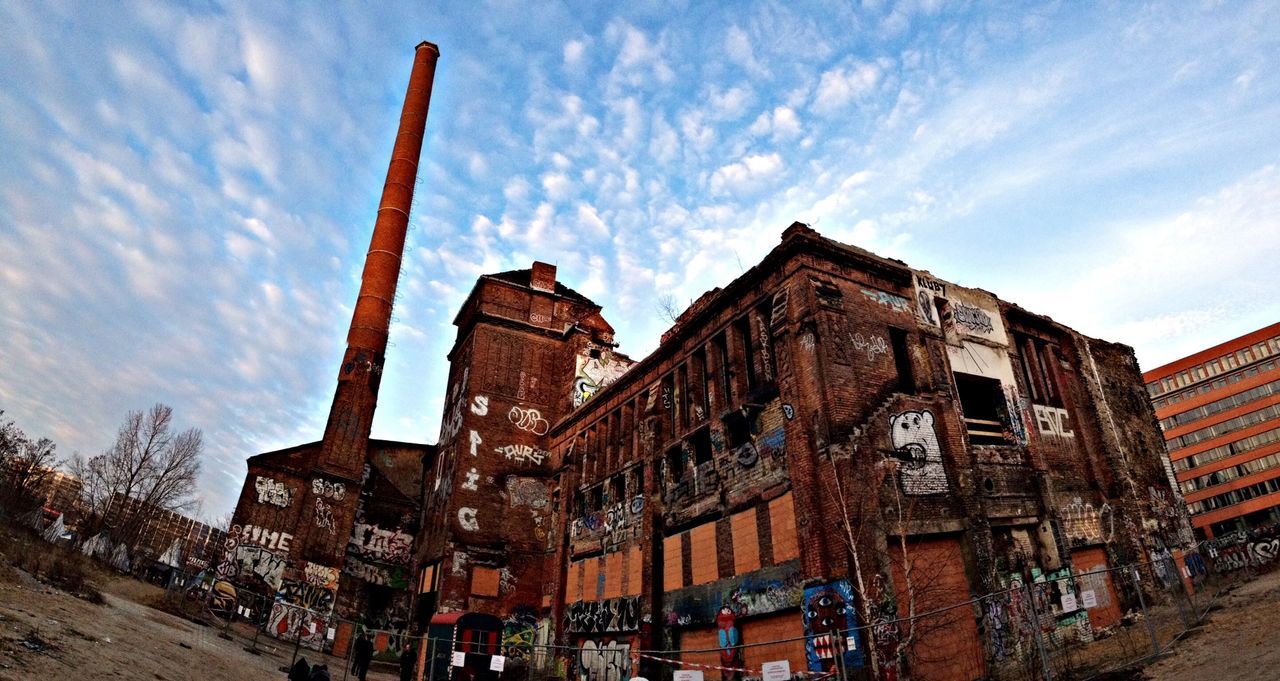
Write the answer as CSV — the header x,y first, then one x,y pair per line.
x,y
791,434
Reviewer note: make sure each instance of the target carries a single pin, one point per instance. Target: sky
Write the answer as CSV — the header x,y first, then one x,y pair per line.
x,y
187,191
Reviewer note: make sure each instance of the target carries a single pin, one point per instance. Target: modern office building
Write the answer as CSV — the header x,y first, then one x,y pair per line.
x,y
1220,412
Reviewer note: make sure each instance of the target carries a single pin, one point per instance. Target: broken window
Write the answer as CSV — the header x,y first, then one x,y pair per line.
x,y
701,444
739,426
902,361
742,329
677,462
1037,357
986,413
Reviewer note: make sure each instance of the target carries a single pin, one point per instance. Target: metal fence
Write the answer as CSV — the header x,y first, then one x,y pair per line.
x,y
1058,626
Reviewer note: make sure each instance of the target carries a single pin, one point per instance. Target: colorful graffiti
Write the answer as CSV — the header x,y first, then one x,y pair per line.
x,y
594,373
829,616
375,543
287,622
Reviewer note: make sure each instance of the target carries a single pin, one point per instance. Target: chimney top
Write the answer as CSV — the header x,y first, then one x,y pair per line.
x,y
543,276
429,45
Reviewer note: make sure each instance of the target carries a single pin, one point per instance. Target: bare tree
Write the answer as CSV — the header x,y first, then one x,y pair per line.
x,y
668,309
26,464
148,469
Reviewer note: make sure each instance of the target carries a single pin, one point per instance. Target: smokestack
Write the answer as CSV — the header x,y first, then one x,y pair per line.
x,y
351,417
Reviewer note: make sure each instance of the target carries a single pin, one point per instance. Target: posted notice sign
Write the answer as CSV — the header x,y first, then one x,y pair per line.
x,y
775,671
687,675
1089,598
1068,602
459,659
497,663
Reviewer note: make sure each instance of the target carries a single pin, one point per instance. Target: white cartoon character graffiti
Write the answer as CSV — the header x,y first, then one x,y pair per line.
x,y
916,443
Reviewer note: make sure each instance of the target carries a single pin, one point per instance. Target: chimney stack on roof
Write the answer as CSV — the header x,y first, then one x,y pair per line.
x,y
543,277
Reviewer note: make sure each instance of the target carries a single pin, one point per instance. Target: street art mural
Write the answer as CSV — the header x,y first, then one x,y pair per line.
x,y
523,453
319,575
272,492
599,617
730,641
828,613
768,590
594,373
1242,549
916,442
256,561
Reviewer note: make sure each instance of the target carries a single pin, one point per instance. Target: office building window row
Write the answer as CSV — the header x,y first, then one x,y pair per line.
x,y
1222,382
1230,473
1236,496
1240,446
1228,426
1215,367
1204,411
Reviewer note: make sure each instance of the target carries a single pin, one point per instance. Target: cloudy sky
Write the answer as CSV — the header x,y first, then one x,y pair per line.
x,y
186,193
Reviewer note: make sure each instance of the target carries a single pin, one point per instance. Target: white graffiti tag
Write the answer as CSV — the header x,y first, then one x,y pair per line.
x,y
332,490
324,516
523,453
528,420
467,519
272,492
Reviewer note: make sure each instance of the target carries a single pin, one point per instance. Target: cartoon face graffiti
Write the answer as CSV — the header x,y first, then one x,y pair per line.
x,y
916,443
829,620
730,639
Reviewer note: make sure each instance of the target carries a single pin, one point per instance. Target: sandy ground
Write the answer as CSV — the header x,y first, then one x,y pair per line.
x,y
1236,642
48,634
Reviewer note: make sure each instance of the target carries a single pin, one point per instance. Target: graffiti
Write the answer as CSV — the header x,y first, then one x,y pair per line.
x,y
288,621
275,541
385,546
925,303
874,347
392,576
1241,550
730,640
971,318
272,492
599,617
519,634
526,492
667,403
594,373
258,562
894,302
480,405
306,595
1017,428
452,423
1052,420
472,477
916,442
1160,503
528,420
788,411
926,289
319,575
324,517
828,612
746,455
766,361
537,318
523,453
807,342
613,527
475,442
467,519
1082,523
329,490
599,661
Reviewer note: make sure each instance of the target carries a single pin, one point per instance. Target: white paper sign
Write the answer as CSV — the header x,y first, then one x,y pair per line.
x,y
331,633
1089,599
776,671
687,675
459,659
497,663
1069,602
851,643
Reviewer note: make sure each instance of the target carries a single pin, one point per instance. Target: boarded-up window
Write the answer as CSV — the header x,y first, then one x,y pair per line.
x,y
573,583
946,643
746,542
613,575
785,627
635,567
484,582
782,521
591,579
672,564
704,556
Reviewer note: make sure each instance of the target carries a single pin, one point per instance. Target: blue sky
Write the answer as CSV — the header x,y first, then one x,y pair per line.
x,y
186,193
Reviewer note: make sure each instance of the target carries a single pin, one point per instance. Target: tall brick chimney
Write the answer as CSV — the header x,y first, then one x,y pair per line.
x,y
351,417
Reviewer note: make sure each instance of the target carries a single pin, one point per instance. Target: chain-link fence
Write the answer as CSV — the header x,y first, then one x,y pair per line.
x,y
1056,626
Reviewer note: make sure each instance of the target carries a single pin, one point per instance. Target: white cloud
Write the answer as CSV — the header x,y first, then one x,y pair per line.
x,y
747,174
844,84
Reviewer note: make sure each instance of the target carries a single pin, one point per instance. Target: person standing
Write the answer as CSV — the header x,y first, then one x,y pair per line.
x,y
407,660
361,656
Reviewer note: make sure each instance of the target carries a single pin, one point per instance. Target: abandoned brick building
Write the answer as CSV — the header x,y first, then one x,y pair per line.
x,y
830,432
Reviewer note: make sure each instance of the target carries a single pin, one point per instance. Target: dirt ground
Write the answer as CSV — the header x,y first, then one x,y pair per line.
x,y
1236,642
48,634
